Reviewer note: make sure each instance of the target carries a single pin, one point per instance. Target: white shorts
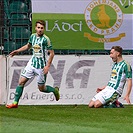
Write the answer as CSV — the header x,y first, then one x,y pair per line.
x,y
106,95
29,72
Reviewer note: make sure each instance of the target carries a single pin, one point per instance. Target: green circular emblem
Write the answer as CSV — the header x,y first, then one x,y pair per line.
x,y
103,18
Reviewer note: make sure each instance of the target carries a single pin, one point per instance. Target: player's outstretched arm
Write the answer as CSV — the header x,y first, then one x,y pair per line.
x,y
15,52
129,87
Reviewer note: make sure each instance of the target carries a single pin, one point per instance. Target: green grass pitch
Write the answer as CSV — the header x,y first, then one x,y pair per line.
x,y
66,119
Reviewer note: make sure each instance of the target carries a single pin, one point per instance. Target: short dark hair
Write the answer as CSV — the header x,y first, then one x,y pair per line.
x,y
42,22
118,49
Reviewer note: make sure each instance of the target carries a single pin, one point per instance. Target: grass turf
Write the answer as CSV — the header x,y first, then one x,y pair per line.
x,y
66,119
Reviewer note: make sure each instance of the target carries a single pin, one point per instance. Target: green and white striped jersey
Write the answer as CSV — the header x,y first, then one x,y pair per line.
x,y
120,72
40,45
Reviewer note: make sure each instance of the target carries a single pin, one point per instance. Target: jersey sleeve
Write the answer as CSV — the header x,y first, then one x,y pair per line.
x,y
48,44
30,40
128,70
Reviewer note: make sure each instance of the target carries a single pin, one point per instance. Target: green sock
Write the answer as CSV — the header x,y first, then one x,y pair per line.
x,y
49,89
18,94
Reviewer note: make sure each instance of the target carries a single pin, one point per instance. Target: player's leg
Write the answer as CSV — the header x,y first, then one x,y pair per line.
x,y
98,104
115,104
41,79
104,97
25,75
19,89
18,93
118,104
97,101
112,101
48,89
95,104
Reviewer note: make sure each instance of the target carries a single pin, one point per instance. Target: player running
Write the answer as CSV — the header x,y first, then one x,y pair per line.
x,y
37,65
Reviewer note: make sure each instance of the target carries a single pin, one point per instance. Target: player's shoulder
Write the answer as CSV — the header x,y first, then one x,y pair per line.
x,y
45,36
126,62
127,65
32,35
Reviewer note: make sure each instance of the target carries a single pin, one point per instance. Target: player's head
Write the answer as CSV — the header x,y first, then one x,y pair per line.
x,y
116,53
39,27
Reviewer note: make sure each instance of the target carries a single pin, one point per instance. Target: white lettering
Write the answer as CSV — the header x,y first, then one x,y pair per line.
x,y
64,26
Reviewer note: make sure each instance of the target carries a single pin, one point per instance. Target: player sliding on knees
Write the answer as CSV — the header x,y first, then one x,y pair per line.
x,y
121,72
111,104
37,65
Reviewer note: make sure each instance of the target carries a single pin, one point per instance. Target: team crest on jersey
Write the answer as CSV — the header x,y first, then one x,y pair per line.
x,y
103,18
36,48
114,73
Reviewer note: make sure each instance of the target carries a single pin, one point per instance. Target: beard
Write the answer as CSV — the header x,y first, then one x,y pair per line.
x,y
114,59
40,33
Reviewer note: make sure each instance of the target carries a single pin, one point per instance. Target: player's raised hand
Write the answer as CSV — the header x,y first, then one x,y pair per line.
x,y
100,89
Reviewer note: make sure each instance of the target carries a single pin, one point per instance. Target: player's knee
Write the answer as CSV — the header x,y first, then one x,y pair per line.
x,y
21,83
97,104
91,104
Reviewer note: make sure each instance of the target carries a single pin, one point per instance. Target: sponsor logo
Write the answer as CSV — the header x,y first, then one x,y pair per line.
x,y
78,74
114,73
126,3
58,71
36,48
103,18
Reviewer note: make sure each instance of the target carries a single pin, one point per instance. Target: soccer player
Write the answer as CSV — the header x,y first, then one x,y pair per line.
x,y
121,72
38,65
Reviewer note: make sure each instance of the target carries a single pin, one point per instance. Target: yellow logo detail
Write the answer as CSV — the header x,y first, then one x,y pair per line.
x,y
103,18
96,39
36,48
114,73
